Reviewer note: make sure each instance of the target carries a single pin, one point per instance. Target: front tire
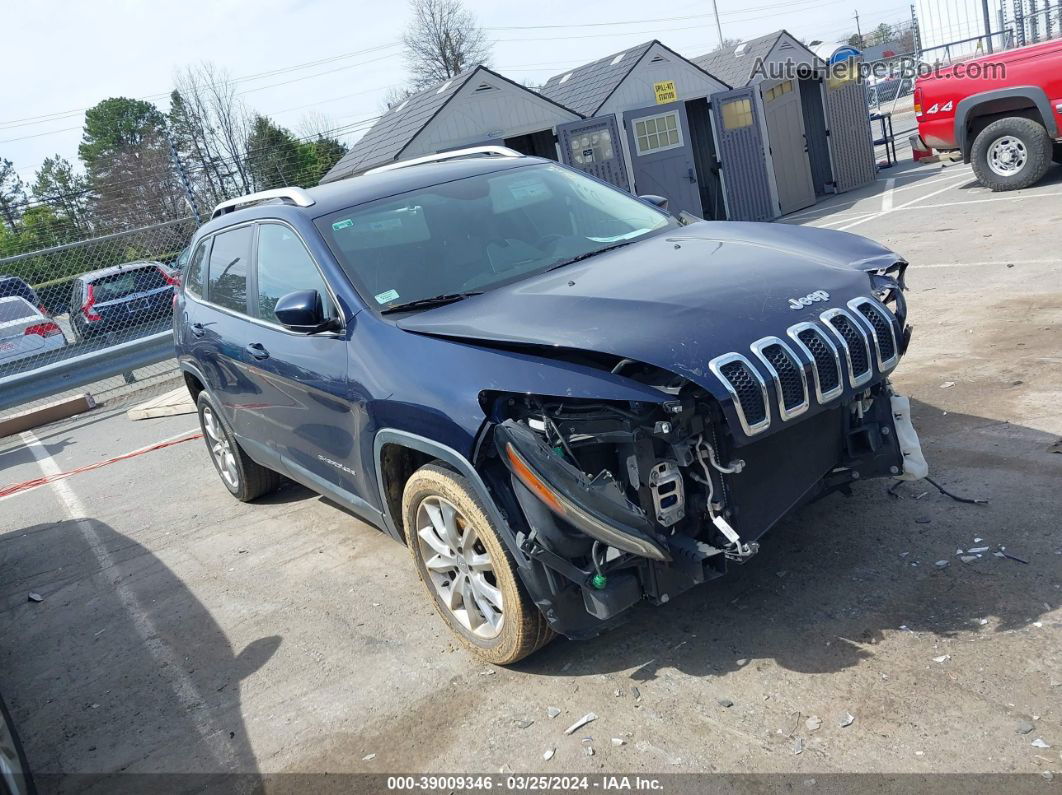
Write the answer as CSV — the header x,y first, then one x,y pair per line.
x,y
245,479
1011,154
468,573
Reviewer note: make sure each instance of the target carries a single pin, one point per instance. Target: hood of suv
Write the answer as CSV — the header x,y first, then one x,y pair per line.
x,y
675,301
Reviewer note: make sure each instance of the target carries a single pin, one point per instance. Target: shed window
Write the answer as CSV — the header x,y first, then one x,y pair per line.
x,y
737,114
592,147
778,91
657,133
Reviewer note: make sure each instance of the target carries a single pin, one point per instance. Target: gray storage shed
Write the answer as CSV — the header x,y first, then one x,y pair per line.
x,y
648,126
817,129
476,107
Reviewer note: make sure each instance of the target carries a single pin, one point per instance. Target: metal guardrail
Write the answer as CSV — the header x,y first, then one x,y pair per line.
x,y
78,371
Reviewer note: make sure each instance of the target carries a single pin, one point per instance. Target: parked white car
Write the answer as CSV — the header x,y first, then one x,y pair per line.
x,y
26,331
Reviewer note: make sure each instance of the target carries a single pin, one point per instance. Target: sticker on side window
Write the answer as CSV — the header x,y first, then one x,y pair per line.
x,y
345,223
387,297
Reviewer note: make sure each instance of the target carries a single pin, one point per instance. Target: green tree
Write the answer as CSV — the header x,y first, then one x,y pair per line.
x,y
12,194
882,34
65,190
320,155
275,157
127,158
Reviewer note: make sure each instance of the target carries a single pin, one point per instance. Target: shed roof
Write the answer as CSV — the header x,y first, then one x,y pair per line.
x,y
585,88
399,125
393,131
735,69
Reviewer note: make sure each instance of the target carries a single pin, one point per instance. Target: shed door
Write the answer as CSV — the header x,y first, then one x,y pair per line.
x,y
744,160
593,145
662,155
851,143
812,102
789,149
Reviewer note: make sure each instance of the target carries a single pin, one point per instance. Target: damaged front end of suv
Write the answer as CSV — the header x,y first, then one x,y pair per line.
x,y
613,502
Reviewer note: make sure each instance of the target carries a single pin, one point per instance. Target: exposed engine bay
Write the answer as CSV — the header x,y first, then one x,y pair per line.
x,y
625,501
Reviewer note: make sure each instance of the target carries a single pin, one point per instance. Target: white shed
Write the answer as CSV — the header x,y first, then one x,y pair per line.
x,y
648,126
817,128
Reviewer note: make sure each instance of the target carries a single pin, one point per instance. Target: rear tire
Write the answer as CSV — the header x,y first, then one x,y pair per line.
x,y
1011,154
245,479
472,578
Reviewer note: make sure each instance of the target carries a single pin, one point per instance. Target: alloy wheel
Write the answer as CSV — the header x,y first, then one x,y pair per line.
x,y
220,449
459,567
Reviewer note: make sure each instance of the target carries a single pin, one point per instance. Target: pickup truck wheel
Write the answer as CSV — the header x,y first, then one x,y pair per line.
x,y
1011,154
466,569
245,479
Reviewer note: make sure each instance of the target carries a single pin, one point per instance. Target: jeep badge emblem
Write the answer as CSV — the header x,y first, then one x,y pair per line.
x,y
809,299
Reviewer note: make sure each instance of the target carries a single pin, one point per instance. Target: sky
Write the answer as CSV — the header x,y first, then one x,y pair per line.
x,y
335,58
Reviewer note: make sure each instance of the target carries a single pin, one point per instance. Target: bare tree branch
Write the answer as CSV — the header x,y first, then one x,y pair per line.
x,y
442,40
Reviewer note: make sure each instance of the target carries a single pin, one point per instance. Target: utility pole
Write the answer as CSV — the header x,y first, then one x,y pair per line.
x,y
185,182
859,32
916,30
988,24
718,25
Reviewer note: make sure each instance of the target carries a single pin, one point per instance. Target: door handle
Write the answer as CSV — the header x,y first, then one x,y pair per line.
x,y
197,329
692,177
258,351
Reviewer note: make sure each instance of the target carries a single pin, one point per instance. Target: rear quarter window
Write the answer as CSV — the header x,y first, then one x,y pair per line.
x,y
193,279
15,309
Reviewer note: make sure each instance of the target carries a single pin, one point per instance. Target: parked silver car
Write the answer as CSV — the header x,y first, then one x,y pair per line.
x,y
26,331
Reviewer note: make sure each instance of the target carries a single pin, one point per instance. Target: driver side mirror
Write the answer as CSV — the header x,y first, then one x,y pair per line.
x,y
657,201
303,311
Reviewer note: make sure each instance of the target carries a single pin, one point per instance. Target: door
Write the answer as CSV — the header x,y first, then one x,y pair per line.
x,y
851,142
219,325
789,147
302,410
662,155
742,155
593,146
812,104
706,160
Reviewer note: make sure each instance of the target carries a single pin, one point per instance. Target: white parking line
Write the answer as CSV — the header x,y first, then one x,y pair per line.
x,y
130,454
904,205
886,196
989,264
169,664
993,199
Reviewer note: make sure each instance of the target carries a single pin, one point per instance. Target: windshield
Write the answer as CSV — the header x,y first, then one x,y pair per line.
x,y
472,234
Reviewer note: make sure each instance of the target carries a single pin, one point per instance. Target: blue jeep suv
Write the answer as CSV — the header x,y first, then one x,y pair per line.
x,y
561,398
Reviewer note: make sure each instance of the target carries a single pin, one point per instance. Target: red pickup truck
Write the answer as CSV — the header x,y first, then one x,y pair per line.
x,y
1002,111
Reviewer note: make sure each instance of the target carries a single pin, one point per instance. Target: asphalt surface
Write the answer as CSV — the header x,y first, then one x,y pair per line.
x,y
183,631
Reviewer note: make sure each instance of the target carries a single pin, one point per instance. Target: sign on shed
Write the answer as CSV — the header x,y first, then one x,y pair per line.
x,y
665,92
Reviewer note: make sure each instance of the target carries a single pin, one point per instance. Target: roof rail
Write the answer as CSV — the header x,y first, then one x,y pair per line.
x,y
500,151
296,196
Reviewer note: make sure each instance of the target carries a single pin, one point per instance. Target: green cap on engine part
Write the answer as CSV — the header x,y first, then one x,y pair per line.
x,y
599,581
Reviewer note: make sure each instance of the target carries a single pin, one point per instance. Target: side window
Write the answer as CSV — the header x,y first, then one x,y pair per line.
x,y
227,273
284,266
193,275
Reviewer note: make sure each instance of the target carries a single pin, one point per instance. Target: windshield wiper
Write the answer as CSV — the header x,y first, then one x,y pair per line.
x,y
588,255
427,303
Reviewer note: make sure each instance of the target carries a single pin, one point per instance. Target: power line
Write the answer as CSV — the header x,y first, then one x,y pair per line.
x,y
55,116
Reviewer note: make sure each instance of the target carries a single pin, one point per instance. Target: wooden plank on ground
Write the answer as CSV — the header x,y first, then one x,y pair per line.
x,y
169,404
42,415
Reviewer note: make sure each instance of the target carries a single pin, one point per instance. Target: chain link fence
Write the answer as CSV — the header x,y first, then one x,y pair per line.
x,y
64,303
88,268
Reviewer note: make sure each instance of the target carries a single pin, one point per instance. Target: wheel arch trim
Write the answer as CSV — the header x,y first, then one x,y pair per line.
x,y
1034,94
448,455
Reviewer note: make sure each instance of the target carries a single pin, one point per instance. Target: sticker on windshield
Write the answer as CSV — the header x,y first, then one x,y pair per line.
x,y
528,189
345,223
384,298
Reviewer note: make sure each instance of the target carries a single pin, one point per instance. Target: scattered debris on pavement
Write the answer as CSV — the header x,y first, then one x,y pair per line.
x,y
553,711
847,719
587,718
549,753
1024,727
35,597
